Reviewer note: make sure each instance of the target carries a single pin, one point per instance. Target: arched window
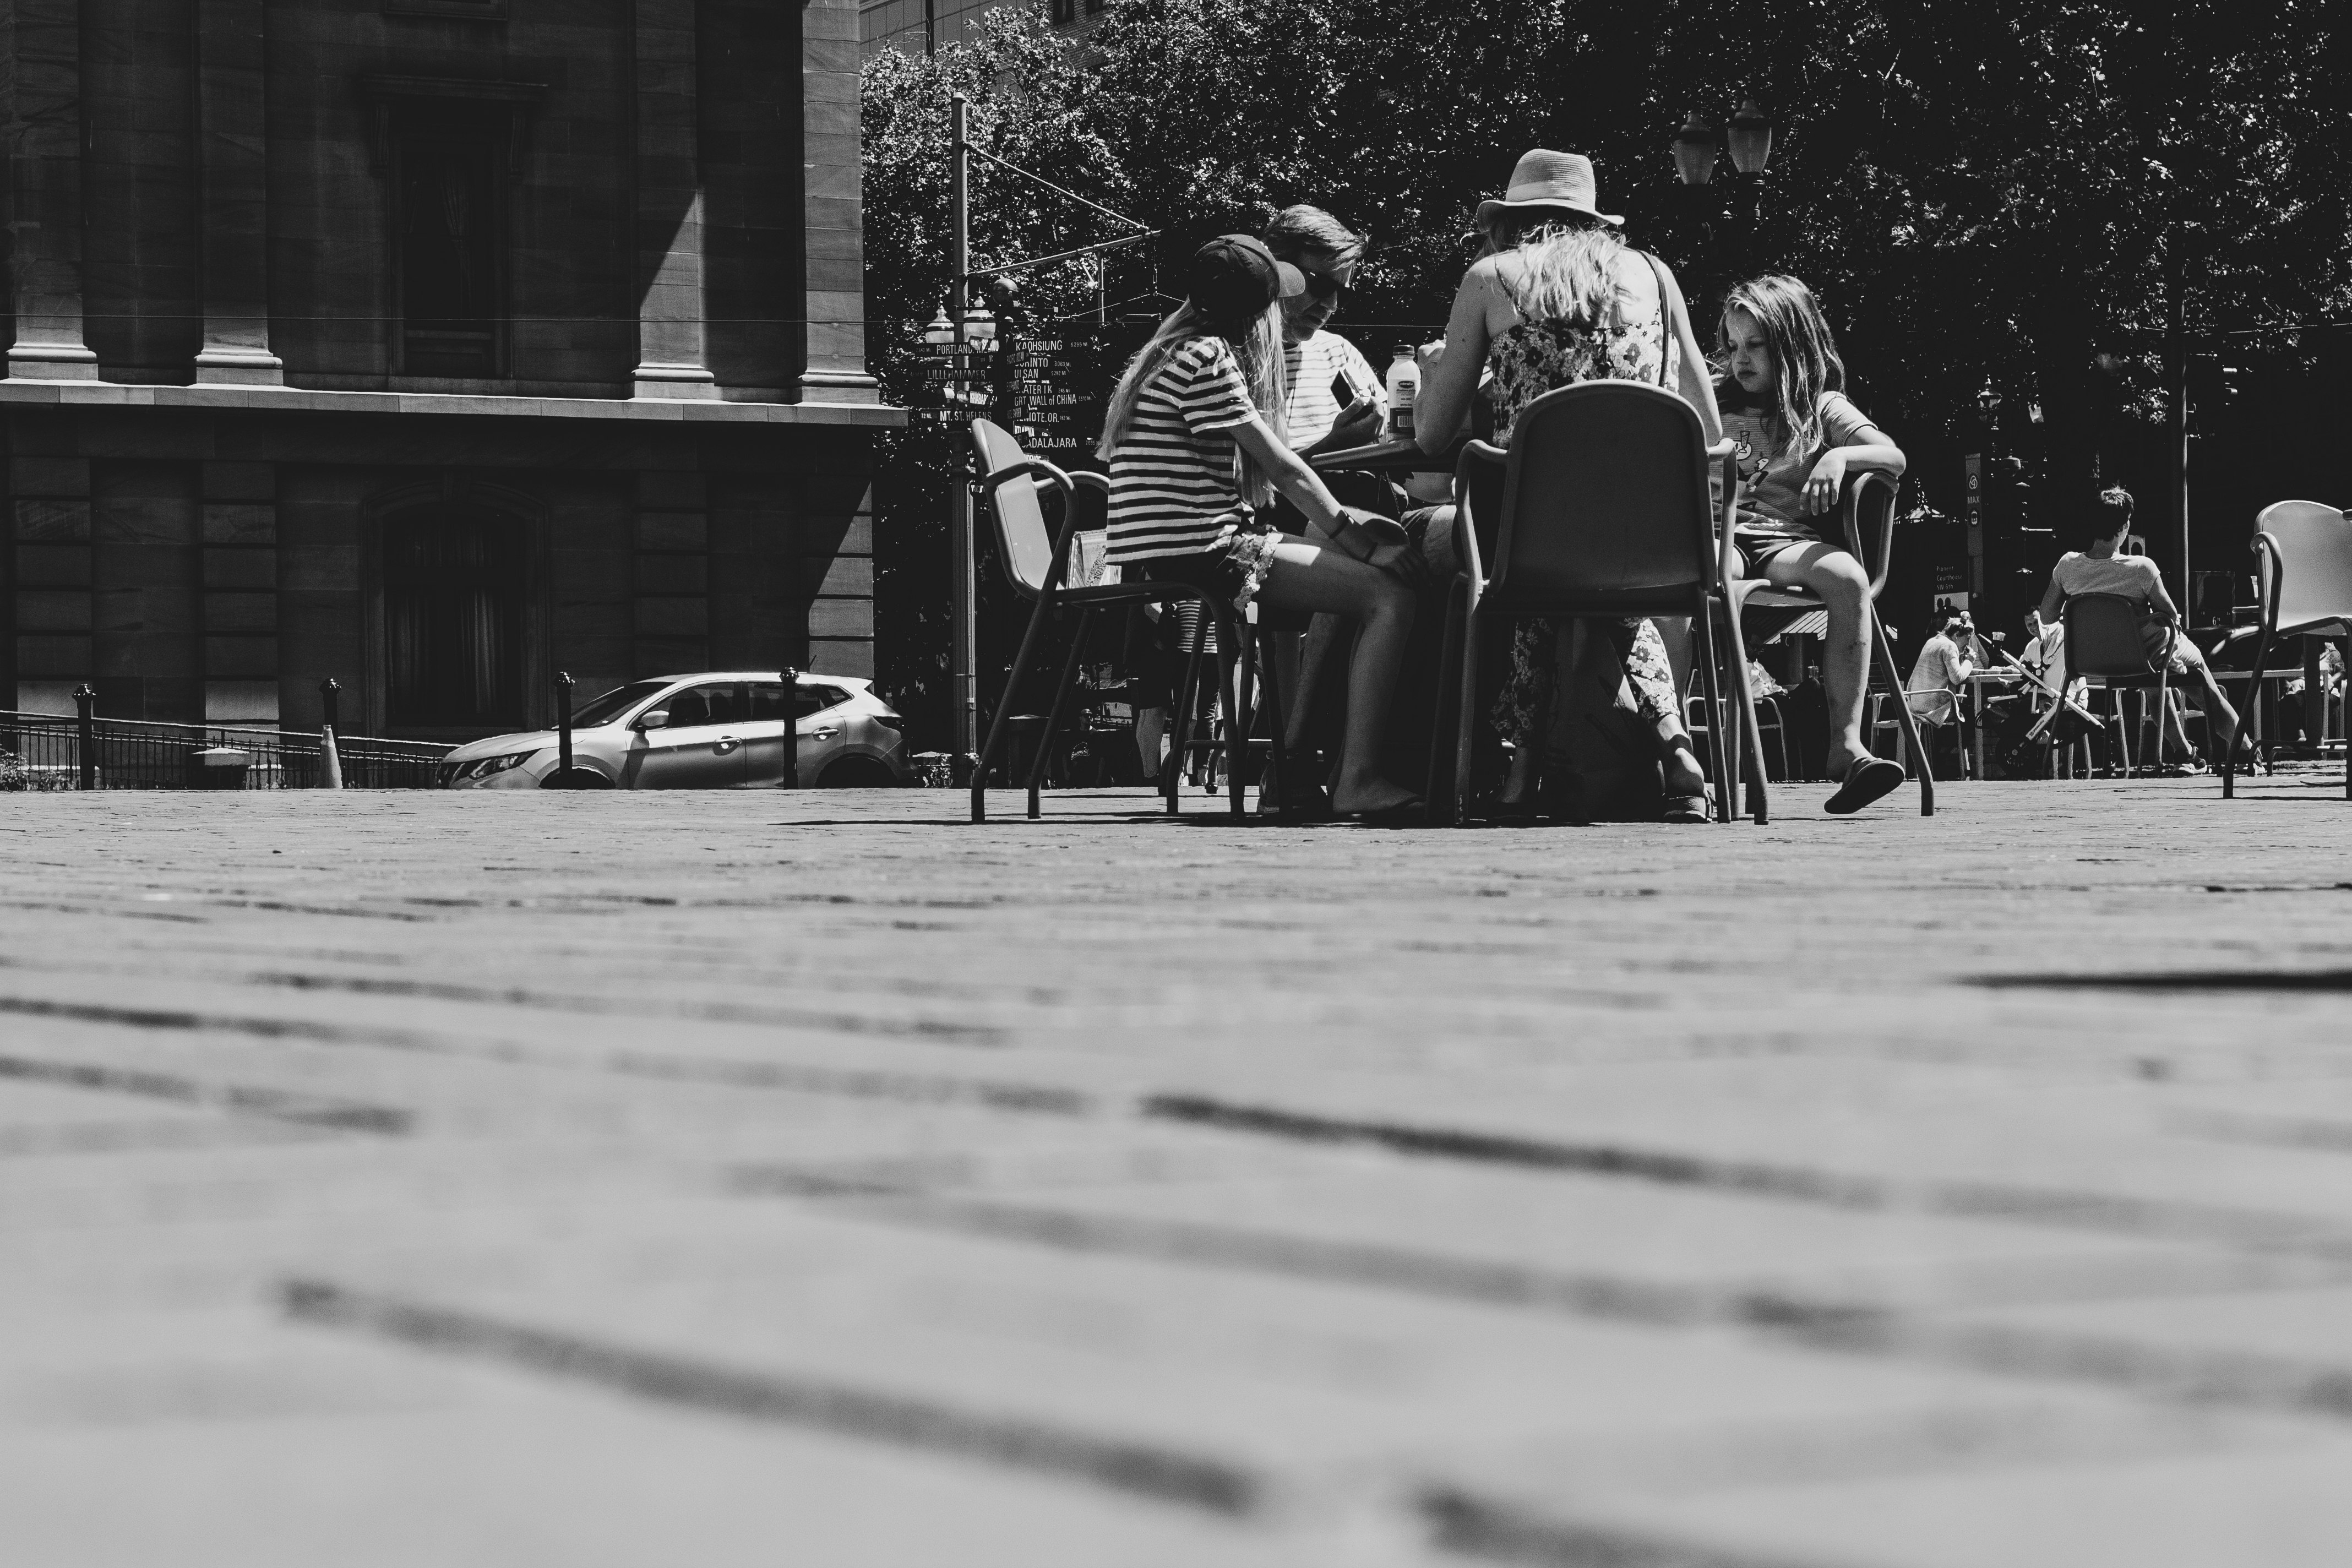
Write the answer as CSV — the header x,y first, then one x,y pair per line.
x,y
455,580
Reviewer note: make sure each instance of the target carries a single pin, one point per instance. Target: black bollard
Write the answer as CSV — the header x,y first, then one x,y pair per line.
x,y
85,703
331,755
792,728
564,726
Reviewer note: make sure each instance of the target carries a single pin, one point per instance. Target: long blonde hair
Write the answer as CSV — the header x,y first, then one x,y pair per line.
x,y
1567,268
1257,344
1805,362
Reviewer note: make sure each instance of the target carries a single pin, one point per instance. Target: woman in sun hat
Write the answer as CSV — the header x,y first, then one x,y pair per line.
x,y
1560,297
1194,437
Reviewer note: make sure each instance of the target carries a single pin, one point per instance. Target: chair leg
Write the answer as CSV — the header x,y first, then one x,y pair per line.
x,y
1276,773
1241,711
2250,722
1751,737
1179,751
1233,658
1457,800
1005,704
1435,788
1711,667
1916,752
1054,713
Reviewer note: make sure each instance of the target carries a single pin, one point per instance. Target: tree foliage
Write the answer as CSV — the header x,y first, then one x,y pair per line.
x,y
2012,190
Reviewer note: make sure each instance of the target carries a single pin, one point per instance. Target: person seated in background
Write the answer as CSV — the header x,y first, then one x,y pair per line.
x,y
2045,649
1944,665
1799,436
2100,568
1317,364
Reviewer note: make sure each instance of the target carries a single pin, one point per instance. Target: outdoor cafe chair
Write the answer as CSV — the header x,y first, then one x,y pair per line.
x,y
1597,509
1036,561
2302,584
2103,642
1865,512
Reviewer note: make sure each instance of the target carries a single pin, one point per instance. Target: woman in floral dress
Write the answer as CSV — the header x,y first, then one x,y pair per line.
x,y
1558,299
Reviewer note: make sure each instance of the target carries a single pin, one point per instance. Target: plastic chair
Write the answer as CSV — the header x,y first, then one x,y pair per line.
x,y
1866,509
1035,561
2302,583
1599,508
2103,642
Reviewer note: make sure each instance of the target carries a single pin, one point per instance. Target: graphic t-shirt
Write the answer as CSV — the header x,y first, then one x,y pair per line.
x,y
1311,365
1174,474
1772,472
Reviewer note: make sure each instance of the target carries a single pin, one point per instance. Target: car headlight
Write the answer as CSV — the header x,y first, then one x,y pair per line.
x,y
488,767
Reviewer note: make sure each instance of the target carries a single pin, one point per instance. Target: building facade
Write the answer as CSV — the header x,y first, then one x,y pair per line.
x,y
432,345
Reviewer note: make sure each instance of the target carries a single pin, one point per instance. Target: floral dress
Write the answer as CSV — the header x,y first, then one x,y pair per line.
x,y
1528,360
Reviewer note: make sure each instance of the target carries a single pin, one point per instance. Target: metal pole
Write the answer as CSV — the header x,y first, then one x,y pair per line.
x,y
931,28
564,726
792,728
330,756
86,703
965,657
2177,367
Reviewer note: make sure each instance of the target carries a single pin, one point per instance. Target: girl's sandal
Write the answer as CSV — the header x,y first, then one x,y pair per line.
x,y
1689,808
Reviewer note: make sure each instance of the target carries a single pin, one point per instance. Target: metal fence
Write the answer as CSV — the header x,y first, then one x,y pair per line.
x,y
137,754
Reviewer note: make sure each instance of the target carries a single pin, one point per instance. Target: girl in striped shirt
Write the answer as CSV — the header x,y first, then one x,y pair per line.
x,y
1193,439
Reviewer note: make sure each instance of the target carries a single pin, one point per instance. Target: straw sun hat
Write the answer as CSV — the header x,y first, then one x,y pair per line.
x,y
1549,179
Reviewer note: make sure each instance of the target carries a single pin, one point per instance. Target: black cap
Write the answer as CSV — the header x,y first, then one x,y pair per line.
x,y
1234,277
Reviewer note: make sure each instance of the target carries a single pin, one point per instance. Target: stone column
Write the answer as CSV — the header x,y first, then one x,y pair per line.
x,y
40,107
831,208
670,357
233,196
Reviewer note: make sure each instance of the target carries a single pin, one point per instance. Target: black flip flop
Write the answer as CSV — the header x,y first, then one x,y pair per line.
x,y
1873,778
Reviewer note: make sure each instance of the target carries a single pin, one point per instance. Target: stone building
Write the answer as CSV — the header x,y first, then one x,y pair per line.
x,y
433,345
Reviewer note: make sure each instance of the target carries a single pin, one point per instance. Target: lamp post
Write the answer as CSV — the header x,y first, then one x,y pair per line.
x,y
1748,137
964,656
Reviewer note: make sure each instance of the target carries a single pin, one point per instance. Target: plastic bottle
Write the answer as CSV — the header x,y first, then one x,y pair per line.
x,y
1404,384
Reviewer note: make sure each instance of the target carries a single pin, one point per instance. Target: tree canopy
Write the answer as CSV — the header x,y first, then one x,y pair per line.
x,y
2002,191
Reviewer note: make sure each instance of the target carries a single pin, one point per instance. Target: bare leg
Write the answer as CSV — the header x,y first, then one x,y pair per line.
x,y
2220,718
1844,590
1151,728
1326,635
1311,577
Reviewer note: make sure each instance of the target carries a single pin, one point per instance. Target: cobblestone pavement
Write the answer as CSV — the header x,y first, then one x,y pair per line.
x,y
443,1180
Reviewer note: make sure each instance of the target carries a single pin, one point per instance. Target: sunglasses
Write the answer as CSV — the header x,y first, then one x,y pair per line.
x,y
1322,285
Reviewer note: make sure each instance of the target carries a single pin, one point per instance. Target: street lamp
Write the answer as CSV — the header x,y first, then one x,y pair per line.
x,y
1695,151
1750,136
939,335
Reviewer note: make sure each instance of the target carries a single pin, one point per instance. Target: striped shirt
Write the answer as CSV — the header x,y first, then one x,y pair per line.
x,y
1172,481
1311,410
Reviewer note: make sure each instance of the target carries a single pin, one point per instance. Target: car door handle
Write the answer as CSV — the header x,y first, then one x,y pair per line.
x,y
724,745
823,733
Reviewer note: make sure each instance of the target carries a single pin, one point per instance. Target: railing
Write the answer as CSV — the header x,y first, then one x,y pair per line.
x,y
139,753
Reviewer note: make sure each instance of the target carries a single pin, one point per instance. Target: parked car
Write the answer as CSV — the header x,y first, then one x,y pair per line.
x,y
722,730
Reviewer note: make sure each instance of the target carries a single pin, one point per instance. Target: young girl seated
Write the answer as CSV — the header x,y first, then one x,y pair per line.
x,y
1799,436
1194,440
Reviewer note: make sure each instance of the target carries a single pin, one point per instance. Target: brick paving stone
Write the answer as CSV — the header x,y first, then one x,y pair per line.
x,y
741,1178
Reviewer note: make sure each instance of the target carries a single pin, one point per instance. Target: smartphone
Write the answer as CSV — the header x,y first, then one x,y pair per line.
x,y
1343,391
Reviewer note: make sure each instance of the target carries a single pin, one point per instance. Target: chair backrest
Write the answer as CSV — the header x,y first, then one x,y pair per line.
x,y
2312,545
1871,500
2103,635
1023,539
1605,492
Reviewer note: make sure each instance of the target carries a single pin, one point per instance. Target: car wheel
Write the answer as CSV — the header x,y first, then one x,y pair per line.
x,y
577,778
857,772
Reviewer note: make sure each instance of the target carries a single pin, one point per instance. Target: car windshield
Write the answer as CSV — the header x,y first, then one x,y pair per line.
x,y
614,703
